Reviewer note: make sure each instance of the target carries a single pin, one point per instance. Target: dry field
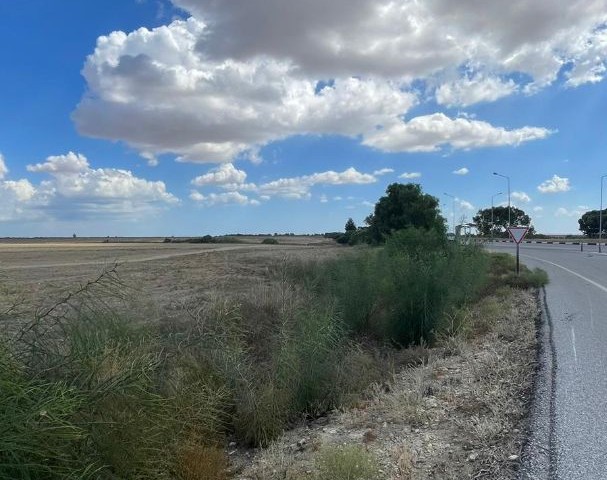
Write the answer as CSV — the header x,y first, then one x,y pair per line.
x,y
166,273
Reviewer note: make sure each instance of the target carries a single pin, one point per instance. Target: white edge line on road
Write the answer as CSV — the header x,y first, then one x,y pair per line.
x,y
592,282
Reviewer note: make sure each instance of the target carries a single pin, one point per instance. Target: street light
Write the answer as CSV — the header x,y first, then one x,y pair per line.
x,y
452,211
492,224
507,178
601,215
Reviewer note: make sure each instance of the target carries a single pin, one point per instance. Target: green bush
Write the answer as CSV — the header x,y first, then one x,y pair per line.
x,y
269,241
400,292
349,462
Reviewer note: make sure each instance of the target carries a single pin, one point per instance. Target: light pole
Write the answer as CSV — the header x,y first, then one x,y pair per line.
x,y
492,224
452,211
601,215
507,178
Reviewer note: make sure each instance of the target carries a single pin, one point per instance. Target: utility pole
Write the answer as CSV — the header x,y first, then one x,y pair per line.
x,y
601,215
452,211
509,209
492,222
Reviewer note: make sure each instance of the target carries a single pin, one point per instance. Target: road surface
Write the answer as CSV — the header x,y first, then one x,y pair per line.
x,y
576,304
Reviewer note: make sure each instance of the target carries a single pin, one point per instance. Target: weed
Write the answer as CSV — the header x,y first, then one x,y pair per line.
x,y
348,462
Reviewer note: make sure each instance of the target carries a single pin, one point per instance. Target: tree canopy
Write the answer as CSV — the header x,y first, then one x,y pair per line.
x,y
404,206
482,219
589,223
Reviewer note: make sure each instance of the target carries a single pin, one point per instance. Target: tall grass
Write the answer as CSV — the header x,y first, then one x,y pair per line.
x,y
96,387
401,292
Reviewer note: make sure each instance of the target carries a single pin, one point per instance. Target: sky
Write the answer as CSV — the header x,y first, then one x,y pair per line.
x,y
195,117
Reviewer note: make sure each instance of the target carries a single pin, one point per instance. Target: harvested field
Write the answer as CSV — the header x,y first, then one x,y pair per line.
x,y
166,272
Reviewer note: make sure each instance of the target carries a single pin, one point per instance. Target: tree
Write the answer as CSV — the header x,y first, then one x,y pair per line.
x,y
350,225
589,223
404,206
482,219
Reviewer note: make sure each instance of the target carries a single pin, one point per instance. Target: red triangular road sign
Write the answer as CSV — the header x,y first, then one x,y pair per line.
x,y
518,233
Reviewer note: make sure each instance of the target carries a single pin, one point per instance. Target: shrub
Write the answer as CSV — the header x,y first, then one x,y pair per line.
x,y
350,462
269,241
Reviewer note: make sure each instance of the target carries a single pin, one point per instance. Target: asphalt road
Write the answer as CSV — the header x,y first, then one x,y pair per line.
x,y
576,304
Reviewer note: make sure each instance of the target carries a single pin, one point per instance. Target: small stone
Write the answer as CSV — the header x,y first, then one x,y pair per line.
x,y
512,458
232,444
472,457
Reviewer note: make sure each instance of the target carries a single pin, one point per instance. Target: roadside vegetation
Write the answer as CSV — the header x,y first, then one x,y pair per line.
x,y
101,385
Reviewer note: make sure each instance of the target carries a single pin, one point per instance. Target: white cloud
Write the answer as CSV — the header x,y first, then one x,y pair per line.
x,y
404,39
465,205
3,168
555,184
76,190
521,197
59,165
468,91
574,212
383,171
238,75
461,171
429,133
538,209
222,198
410,175
323,199
299,187
225,174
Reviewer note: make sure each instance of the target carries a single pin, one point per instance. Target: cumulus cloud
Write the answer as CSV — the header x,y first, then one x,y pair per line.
x,y
238,75
403,38
555,184
3,168
410,175
538,209
465,205
570,212
461,171
75,190
383,171
466,91
289,187
429,133
222,198
225,174
521,197
299,187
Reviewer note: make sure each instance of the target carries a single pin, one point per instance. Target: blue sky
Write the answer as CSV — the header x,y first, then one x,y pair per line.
x,y
191,117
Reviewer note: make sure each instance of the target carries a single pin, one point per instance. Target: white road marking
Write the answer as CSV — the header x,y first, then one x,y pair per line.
x,y
573,345
592,282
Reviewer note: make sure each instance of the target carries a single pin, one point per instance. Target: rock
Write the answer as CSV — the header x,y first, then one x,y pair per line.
x,y
472,457
369,436
513,458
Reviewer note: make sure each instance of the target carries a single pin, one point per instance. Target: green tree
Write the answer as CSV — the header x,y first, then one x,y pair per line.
x,y
589,223
404,206
482,219
350,225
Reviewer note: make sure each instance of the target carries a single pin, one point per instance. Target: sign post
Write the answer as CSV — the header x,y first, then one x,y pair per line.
x,y
517,234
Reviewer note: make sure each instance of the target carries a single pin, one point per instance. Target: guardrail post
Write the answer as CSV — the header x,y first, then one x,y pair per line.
x,y
581,246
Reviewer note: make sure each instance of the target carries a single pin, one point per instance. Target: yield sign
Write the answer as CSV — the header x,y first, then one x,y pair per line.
x,y
518,233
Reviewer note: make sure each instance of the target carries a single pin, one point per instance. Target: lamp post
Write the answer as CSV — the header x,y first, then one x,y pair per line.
x,y
452,211
492,224
601,215
508,179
